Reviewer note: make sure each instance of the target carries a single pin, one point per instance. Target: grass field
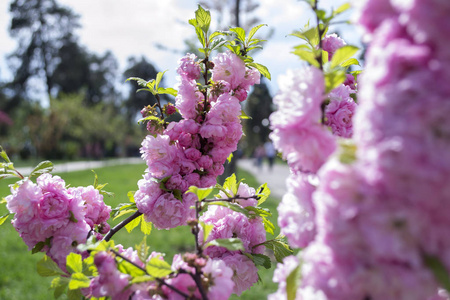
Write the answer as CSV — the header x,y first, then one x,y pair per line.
x,y
18,277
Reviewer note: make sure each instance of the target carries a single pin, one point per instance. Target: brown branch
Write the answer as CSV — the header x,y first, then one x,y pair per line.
x,y
122,224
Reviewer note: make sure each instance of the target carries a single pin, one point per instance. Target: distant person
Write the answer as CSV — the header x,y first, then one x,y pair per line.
x,y
260,152
270,153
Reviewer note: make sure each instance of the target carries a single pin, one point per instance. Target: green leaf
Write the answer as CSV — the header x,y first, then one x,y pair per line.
x,y
341,9
41,168
74,263
230,157
279,247
200,193
207,228
124,212
334,79
292,282
263,192
231,184
142,249
158,79
253,31
233,206
128,268
259,211
59,284
232,244
350,62
217,33
203,18
158,268
133,224
268,226
79,280
169,91
4,218
262,69
307,56
146,227
141,279
260,260
343,54
46,267
435,265
4,155
130,196
74,294
244,116
239,33
139,81
321,14
38,247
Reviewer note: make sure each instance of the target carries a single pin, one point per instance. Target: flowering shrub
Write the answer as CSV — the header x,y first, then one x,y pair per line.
x,y
183,161
367,198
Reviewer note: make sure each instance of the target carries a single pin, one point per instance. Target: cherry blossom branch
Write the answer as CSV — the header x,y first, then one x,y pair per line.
x,y
159,280
122,224
231,199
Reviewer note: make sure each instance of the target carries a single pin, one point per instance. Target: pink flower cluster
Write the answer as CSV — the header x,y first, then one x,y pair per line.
x,y
231,224
381,219
332,42
56,219
297,132
216,278
304,142
192,152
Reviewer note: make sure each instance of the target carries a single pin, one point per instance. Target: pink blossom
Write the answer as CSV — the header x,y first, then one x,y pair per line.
x,y
168,212
230,68
95,210
109,282
245,273
339,116
192,154
188,68
188,99
65,241
296,213
280,275
221,279
331,43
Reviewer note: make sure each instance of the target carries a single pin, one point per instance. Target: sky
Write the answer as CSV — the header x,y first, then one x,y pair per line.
x,y
133,28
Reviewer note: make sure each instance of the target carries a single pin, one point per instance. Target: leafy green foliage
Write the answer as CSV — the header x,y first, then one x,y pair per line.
x,y
435,265
4,218
260,260
41,168
158,268
292,283
232,244
279,247
201,193
46,267
100,187
142,249
152,85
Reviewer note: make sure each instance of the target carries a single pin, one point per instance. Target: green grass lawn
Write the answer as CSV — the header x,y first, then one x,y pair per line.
x,y
18,277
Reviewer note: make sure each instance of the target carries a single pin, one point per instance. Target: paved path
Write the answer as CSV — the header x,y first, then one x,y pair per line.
x,y
86,165
275,178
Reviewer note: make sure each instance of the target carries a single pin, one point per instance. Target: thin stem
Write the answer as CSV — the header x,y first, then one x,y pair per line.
x,y
197,279
158,101
196,229
122,224
231,199
20,175
159,280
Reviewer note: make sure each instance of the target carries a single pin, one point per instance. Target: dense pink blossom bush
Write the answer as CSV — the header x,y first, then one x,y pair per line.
x,y
381,217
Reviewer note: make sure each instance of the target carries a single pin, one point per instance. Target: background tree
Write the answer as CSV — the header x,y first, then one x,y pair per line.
x,y
41,28
259,106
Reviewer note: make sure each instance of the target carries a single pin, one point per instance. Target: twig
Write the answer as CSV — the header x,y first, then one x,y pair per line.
x,y
231,199
159,280
122,224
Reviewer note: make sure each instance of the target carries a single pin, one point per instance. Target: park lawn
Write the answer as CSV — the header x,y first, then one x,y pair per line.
x,y
19,279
